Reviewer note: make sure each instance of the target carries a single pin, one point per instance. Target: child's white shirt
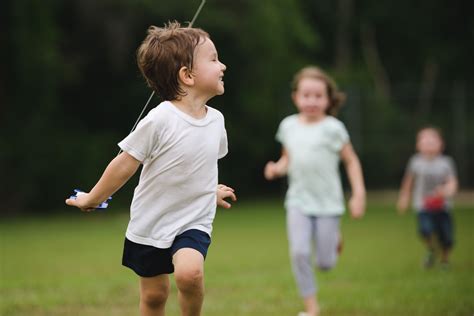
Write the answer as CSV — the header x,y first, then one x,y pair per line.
x,y
314,182
177,187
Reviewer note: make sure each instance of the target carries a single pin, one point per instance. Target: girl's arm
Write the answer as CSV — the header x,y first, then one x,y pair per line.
x,y
356,179
277,169
117,173
405,191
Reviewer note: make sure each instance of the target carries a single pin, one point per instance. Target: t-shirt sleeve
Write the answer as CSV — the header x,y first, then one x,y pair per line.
x,y
280,134
451,167
223,145
340,137
141,142
411,166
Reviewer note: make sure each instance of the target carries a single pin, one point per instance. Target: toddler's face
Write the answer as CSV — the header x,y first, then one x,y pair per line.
x,y
429,142
208,70
311,98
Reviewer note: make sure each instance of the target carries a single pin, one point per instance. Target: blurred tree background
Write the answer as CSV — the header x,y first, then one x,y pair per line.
x,y
70,89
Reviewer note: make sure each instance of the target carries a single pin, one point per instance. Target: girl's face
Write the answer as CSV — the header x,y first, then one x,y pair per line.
x,y
311,98
429,143
208,70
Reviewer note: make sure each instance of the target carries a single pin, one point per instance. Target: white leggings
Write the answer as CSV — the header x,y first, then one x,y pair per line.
x,y
306,233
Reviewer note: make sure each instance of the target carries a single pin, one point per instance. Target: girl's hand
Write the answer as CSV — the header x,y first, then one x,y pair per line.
x,y
83,202
357,206
224,192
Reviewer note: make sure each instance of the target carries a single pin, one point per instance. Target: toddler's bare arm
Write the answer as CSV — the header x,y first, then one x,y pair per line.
x,y
449,188
117,173
405,191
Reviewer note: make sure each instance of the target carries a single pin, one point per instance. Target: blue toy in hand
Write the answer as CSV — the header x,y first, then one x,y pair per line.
x,y
101,206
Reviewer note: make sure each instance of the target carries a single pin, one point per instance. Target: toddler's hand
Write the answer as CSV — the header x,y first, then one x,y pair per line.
x,y
402,204
224,192
82,201
440,192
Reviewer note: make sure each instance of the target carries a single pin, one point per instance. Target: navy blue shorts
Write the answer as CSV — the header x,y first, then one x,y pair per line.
x,y
149,261
439,224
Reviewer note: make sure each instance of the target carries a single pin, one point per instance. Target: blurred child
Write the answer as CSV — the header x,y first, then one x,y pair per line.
x,y
431,179
313,143
178,143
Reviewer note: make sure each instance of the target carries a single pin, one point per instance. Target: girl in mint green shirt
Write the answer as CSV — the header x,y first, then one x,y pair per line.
x,y
313,144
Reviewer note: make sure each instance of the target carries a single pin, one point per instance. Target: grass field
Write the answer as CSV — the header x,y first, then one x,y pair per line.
x,y
70,265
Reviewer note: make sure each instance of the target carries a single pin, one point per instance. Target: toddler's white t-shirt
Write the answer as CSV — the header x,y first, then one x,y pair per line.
x,y
177,187
428,175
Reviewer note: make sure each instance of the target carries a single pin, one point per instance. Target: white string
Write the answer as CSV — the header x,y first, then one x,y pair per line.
x,y
140,116
197,13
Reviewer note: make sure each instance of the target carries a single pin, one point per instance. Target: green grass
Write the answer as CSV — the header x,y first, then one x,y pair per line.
x,y
70,265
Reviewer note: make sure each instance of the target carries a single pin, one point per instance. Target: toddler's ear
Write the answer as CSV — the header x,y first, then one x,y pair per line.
x,y
185,76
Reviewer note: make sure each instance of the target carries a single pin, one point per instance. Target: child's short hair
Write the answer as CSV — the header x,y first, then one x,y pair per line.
x,y
162,54
336,97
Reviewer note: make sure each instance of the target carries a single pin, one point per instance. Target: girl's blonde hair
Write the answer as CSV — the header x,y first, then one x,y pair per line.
x,y
336,97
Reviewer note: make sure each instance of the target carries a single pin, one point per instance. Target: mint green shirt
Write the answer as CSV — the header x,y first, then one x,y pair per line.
x,y
313,172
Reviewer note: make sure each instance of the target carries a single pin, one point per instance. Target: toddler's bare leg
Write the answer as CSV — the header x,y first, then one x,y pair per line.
x,y
189,275
154,292
445,255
